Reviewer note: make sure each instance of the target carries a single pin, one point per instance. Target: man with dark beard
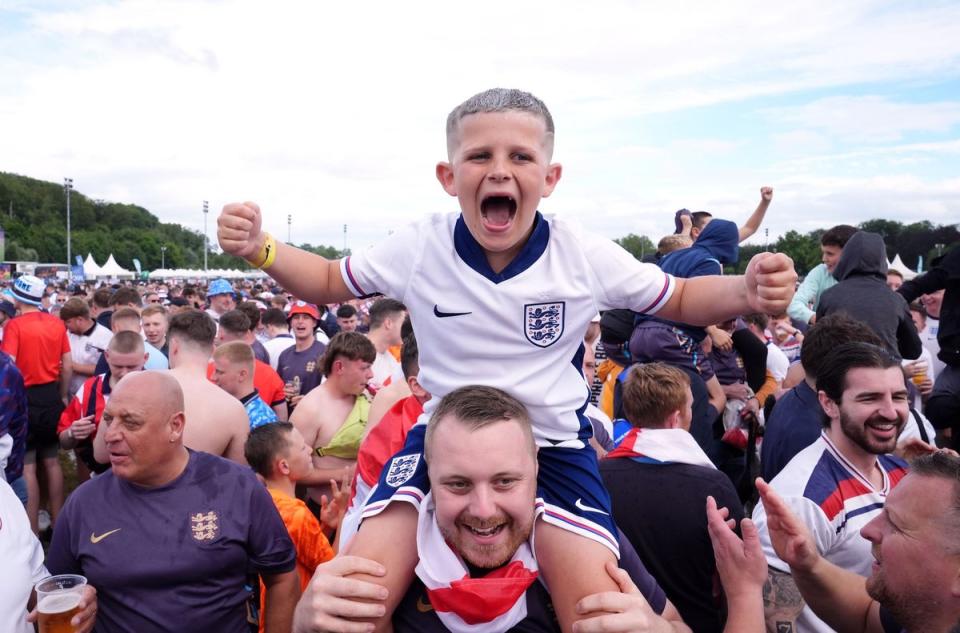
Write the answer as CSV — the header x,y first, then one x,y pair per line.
x,y
914,585
840,482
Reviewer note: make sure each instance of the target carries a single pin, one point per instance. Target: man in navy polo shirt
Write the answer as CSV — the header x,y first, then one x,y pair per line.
x,y
169,534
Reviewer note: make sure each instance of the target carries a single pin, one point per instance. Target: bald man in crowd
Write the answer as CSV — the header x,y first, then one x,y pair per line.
x,y
169,535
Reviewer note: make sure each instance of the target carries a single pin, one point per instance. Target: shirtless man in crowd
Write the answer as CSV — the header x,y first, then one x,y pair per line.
x,y
218,422
332,417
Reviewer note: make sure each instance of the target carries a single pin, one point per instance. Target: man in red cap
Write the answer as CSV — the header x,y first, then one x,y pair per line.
x,y
300,365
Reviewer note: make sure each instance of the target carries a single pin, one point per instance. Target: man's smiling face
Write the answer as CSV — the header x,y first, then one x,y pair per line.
x,y
499,170
484,507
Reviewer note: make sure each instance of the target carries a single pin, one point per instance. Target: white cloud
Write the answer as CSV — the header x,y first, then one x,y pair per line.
x,y
334,111
869,119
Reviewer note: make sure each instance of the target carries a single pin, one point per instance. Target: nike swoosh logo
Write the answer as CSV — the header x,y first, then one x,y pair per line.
x,y
444,315
96,539
579,504
423,607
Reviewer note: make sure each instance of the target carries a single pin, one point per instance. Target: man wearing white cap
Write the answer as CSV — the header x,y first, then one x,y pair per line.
x,y
38,344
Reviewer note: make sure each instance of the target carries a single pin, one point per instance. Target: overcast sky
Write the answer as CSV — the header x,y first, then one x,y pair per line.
x,y
333,112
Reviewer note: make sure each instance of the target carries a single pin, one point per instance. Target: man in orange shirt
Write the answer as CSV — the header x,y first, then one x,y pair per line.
x,y
38,344
279,454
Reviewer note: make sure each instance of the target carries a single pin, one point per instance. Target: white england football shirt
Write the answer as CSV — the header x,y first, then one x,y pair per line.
x,y
834,500
520,330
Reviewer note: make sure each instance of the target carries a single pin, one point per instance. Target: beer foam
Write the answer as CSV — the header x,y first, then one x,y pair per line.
x,y
58,603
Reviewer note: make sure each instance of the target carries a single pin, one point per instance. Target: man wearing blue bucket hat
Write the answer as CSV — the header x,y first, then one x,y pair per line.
x,y
222,298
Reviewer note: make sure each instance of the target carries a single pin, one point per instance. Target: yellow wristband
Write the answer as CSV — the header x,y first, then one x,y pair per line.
x,y
267,254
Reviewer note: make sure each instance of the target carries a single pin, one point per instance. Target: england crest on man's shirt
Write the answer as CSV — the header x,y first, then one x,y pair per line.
x,y
402,469
543,323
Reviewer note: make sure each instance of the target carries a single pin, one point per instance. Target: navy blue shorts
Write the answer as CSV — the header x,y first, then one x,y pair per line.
x,y
570,493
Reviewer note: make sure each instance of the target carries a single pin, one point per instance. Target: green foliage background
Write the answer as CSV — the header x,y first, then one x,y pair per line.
x,y
33,214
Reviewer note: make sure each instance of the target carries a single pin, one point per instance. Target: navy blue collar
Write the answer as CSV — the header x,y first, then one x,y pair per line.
x,y
472,253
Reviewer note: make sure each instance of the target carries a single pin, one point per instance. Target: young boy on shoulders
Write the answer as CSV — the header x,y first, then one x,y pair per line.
x,y
500,295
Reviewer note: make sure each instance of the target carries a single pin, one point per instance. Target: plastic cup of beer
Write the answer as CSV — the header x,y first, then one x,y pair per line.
x,y
58,600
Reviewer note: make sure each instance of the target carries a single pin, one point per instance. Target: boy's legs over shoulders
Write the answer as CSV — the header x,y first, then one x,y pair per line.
x,y
575,535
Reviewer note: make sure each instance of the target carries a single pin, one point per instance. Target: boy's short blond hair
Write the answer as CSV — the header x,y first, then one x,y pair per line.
x,y
499,100
672,243
235,353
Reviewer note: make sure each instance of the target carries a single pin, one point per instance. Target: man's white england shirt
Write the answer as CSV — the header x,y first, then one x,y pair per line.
x,y
834,500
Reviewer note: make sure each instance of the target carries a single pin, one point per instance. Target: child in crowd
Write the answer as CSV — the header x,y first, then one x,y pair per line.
x,y
278,453
501,295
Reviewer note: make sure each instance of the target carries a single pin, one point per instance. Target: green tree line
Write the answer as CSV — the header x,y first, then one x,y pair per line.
x,y
33,214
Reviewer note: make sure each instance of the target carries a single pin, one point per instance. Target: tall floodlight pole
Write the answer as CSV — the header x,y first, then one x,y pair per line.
x,y
206,243
68,187
344,238
766,239
289,223
163,257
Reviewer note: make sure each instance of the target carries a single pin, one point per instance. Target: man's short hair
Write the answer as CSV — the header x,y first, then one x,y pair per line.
x,y
264,444
126,296
499,100
699,219
670,243
101,298
274,317
895,272
346,311
478,406
828,333
74,307
651,392
945,466
235,352
193,327
151,310
383,309
410,357
350,345
837,235
758,319
250,309
126,342
832,379
235,322
125,314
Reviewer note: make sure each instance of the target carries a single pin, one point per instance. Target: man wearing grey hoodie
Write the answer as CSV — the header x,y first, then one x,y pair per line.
x,y
862,293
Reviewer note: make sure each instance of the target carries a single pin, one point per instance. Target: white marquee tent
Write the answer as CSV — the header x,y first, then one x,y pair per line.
x,y
898,265
213,273
90,268
112,269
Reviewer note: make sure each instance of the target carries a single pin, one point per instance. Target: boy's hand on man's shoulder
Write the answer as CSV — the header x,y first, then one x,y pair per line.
x,y
238,229
771,281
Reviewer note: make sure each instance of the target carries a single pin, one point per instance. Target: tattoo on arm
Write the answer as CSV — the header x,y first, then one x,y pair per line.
x,y
782,602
